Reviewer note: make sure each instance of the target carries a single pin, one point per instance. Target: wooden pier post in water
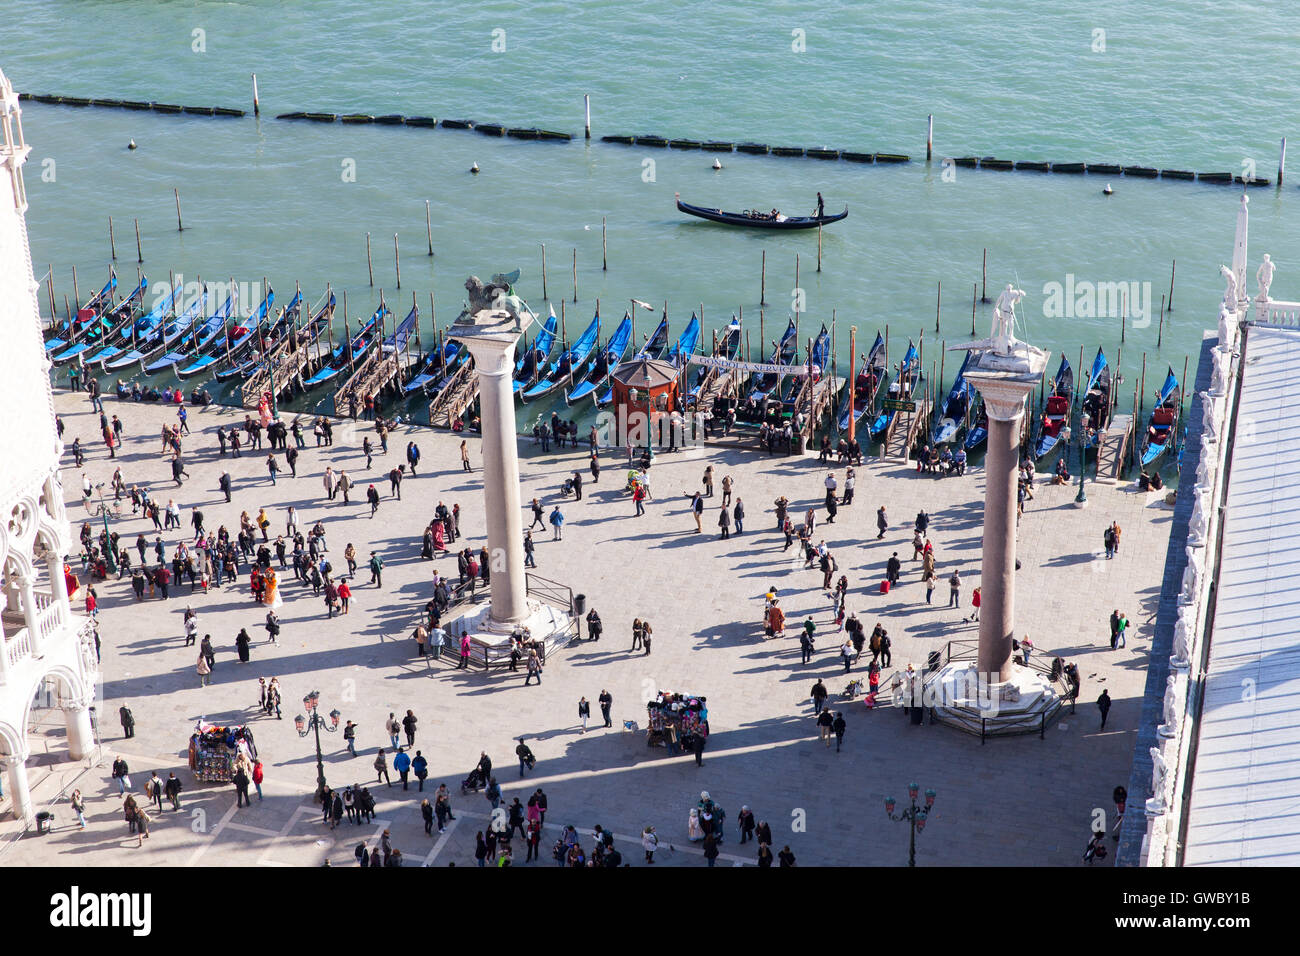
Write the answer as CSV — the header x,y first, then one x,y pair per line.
x,y
76,293
938,301
397,263
796,280
604,247
257,107
974,299
428,225
984,277
49,285
370,266
1123,318
819,247
929,137
586,109
139,255
1173,267
1142,388
1160,331
545,297
1281,163
112,244
762,286
179,225
575,273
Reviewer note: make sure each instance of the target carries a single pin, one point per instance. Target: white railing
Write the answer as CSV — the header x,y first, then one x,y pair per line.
x,y
18,647
1277,313
50,619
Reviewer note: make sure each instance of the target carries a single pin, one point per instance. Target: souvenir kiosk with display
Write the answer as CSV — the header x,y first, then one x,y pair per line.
x,y
674,719
645,394
215,750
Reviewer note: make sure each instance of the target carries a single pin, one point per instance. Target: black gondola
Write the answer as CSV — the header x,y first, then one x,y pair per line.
x,y
757,219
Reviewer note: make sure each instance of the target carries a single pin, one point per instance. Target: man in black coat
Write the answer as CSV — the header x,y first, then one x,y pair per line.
x,y
892,568
128,721
606,702
240,780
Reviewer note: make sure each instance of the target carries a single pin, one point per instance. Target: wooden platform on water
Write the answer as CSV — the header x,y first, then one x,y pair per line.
x,y
903,431
1112,448
455,398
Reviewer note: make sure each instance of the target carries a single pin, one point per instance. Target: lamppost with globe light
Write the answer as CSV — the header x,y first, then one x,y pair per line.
x,y
313,722
915,815
110,558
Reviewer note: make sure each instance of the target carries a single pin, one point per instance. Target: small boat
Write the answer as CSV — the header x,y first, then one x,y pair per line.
x,y
1056,416
953,413
349,350
565,368
605,363
1096,400
657,343
243,338
124,314
146,334
204,358
268,335
533,361
820,354
979,428
899,389
867,383
61,334
1164,420
783,353
681,353
208,330
756,219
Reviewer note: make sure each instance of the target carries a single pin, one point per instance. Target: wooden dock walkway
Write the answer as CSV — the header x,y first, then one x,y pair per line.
x,y
903,431
455,398
1112,448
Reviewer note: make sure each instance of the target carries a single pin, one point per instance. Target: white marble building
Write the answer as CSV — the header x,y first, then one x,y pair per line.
x,y
42,642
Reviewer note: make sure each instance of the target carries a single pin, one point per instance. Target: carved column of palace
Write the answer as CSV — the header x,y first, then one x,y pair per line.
x,y
76,720
19,791
490,335
1004,381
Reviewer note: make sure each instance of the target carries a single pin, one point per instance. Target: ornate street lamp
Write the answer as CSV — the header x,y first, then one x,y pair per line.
x,y
314,722
101,511
914,815
1081,499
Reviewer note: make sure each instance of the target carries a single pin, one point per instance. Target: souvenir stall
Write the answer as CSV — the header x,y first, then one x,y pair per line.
x,y
673,718
214,751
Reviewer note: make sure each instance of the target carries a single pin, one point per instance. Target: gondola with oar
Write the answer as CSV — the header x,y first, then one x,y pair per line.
x,y
63,333
783,353
867,383
900,389
533,362
1096,400
754,219
567,366
1164,420
212,348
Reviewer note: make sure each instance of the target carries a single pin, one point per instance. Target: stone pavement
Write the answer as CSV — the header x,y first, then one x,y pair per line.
x,y
1018,801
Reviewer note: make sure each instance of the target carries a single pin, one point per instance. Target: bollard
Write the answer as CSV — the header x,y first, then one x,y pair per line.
x,y
257,108
929,138
586,108
177,193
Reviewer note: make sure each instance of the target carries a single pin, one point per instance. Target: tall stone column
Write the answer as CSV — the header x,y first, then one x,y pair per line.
x,y
998,567
1004,378
490,335
76,720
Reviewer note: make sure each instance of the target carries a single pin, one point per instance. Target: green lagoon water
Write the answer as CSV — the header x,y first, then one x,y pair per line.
x,y
1179,85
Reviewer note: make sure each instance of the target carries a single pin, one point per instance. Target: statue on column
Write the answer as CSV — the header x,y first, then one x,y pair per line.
x,y
1004,319
1209,419
1170,726
1264,276
1230,294
1159,772
1182,655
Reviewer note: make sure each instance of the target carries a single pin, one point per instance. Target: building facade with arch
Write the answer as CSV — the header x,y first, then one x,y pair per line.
x,y
41,639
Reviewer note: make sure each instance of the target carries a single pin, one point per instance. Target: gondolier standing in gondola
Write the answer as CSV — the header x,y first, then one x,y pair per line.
x,y
821,206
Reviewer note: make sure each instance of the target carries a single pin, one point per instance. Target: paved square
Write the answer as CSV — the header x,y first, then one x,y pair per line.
x,y
1019,801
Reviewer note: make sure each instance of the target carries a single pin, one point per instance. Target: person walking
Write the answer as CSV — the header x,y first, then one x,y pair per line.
x,y
372,496
557,524
409,723
394,728
825,720
975,605
649,843
818,695
584,713
1103,705
153,788
838,726
606,704
534,669
402,764
420,767
241,781
205,671
954,590
538,513
464,456
376,570
724,522
128,720
350,737
805,646
272,466
381,768
257,778
882,522
738,513
172,790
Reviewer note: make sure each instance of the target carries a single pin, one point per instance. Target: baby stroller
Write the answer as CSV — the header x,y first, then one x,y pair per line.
x,y
853,688
474,781
566,489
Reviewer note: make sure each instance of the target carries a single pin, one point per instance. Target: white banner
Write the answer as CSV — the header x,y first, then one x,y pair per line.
x,y
709,361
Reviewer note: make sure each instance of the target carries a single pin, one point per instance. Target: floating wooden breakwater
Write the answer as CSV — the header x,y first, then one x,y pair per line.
x,y
652,141
83,101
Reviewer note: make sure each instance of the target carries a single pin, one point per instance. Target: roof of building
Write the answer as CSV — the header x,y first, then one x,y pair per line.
x,y
1245,786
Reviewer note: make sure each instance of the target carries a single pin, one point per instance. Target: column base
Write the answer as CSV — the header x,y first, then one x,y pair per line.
x,y
1020,705
545,622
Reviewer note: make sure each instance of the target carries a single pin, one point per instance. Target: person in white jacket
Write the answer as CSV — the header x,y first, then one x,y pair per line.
x,y
649,843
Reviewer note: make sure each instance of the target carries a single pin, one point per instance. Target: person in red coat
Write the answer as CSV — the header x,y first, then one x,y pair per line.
x,y
257,778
